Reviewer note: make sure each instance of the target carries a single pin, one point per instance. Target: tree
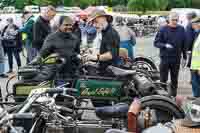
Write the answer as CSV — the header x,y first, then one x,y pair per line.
x,y
19,4
161,4
195,3
180,4
68,2
142,5
47,2
7,2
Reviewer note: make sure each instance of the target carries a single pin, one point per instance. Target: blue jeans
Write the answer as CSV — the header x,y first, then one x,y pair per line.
x,y
1,60
2,68
195,84
31,52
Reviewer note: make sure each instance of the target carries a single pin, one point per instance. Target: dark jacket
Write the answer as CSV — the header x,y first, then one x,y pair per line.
x,y
174,36
66,45
28,28
41,29
110,42
18,39
190,35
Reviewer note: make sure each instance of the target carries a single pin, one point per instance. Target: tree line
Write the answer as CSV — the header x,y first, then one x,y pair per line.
x,y
133,5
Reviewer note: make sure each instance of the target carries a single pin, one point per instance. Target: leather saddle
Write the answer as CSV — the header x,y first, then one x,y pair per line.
x,y
120,72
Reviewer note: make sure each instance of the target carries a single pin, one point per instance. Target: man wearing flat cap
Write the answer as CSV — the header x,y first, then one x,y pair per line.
x,y
171,41
106,49
64,43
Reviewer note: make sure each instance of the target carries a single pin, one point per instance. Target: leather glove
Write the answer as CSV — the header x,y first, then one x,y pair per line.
x,y
189,52
169,46
37,60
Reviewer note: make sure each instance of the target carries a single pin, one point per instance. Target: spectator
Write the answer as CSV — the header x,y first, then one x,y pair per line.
x,y
195,62
127,38
76,29
28,29
171,41
41,28
64,43
2,74
190,35
88,31
162,21
12,43
106,49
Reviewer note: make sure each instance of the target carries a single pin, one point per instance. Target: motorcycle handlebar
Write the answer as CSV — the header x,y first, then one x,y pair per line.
x,y
61,90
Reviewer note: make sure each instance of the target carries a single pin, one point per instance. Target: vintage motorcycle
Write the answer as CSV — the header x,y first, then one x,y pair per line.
x,y
121,85
40,114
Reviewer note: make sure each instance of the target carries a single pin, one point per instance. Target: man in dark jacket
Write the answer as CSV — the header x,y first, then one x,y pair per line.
x,y
106,50
171,42
64,43
41,28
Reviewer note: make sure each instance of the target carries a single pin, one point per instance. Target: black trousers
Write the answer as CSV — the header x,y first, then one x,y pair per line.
x,y
11,51
173,68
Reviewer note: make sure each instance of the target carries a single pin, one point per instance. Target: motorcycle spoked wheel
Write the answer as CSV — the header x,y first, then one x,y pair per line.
x,y
164,107
146,64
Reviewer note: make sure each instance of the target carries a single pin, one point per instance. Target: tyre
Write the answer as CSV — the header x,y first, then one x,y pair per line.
x,y
145,63
164,107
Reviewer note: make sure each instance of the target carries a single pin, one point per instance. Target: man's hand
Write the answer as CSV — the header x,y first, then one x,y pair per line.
x,y
89,57
92,57
135,107
169,46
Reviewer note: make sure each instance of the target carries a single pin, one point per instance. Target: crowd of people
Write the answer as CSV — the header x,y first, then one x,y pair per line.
x,y
39,38
94,30
175,43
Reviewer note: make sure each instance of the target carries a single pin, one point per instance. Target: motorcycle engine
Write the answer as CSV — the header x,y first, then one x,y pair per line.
x,y
147,118
143,85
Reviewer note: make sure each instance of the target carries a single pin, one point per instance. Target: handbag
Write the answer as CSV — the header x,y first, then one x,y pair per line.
x,y
10,43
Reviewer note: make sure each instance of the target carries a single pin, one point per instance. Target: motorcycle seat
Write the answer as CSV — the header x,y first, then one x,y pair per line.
x,y
121,72
117,111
